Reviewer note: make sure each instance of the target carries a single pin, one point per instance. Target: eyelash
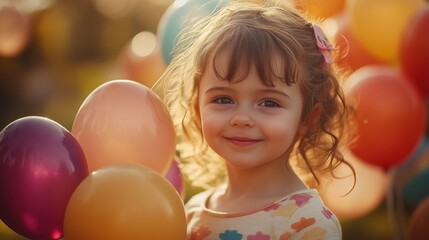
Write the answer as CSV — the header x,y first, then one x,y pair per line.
x,y
219,99
273,103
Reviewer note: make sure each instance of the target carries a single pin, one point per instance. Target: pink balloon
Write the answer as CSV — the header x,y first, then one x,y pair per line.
x,y
174,176
123,121
41,164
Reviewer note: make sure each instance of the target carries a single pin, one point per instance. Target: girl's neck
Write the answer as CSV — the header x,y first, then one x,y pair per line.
x,y
263,182
248,189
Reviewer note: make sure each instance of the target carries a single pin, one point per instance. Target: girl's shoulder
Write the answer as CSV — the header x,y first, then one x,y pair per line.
x,y
199,199
306,208
305,202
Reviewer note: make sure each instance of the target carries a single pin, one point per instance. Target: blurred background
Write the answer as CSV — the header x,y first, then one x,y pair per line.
x,y
54,53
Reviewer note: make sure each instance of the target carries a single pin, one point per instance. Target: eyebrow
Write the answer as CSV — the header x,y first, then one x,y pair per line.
x,y
267,90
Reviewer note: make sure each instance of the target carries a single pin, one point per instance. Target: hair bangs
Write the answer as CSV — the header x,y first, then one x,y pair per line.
x,y
247,47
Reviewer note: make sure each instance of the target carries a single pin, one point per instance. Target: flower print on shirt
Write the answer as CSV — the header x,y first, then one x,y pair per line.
x,y
286,236
258,236
285,210
328,214
316,233
302,223
301,199
231,235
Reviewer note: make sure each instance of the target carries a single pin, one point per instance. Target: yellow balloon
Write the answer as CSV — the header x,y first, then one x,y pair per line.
x,y
7,233
123,121
125,201
379,25
320,9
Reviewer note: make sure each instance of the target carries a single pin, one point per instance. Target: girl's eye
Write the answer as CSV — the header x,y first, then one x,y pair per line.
x,y
223,100
269,104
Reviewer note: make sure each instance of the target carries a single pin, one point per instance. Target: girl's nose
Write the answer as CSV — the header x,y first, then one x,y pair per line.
x,y
242,119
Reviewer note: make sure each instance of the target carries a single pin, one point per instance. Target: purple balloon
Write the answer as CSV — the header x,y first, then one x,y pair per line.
x,y
41,164
174,176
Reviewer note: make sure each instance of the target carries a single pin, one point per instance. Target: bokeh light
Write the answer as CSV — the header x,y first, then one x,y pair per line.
x,y
15,31
143,44
113,8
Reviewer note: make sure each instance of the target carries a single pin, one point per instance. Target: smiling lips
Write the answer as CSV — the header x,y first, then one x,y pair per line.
x,y
242,141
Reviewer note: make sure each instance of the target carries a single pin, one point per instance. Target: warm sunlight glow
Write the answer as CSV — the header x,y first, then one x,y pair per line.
x,y
114,9
179,3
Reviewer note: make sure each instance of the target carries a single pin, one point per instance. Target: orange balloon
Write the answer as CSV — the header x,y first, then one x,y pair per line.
x,y
352,54
7,233
320,9
123,121
125,201
379,25
368,193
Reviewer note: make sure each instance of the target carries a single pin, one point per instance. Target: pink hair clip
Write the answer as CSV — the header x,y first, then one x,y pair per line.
x,y
323,43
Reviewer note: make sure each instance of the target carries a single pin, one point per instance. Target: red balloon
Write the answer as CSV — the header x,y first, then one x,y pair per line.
x,y
414,50
418,226
390,115
353,55
41,164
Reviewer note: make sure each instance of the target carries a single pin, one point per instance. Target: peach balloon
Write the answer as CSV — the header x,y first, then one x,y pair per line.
x,y
368,193
125,201
123,121
379,25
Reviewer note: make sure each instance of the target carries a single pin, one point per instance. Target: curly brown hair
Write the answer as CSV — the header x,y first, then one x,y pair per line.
x,y
257,34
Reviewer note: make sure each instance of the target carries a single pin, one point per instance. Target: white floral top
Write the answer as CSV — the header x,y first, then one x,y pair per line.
x,y
301,215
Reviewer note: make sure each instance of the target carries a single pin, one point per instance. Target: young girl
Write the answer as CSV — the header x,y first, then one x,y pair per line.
x,y
255,102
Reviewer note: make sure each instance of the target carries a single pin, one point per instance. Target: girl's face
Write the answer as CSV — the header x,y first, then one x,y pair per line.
x,y
248,123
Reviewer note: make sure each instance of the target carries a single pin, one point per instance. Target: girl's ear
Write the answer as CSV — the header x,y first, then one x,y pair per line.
x,y
311,122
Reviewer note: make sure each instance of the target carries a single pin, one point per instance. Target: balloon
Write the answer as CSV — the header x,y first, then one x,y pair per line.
x,y
414,50
174,176
141,60
123,121
418,227
416,188
320,9
390,115
367,195
15,31
379,25
177,17
41,164
408,187
125,201
7,233
352,54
